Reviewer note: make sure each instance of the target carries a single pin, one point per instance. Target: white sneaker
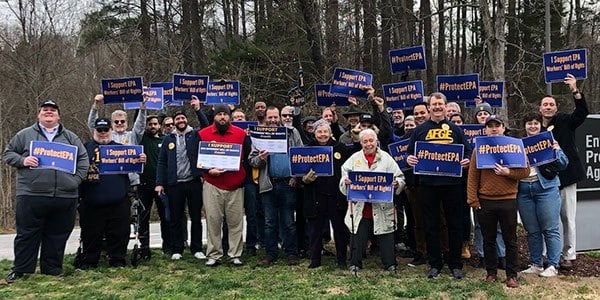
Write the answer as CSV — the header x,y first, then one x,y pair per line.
x,y
176,256
211,262
533,269
550,271
200,255
236,261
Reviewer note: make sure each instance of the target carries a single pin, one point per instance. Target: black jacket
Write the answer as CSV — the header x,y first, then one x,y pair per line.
x,y
564,133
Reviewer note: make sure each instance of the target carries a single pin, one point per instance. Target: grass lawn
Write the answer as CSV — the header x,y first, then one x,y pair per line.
x,y
162,278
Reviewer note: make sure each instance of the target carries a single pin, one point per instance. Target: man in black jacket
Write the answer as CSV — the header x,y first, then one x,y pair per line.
x,y
563,126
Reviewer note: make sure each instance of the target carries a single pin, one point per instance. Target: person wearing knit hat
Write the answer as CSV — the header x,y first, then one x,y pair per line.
x,y
482,112
221,108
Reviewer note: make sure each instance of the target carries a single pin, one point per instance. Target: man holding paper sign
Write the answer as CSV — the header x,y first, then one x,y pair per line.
x,y
46,199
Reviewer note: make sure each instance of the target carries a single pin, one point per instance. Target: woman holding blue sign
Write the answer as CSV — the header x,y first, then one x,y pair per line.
x,y
371,216
539,206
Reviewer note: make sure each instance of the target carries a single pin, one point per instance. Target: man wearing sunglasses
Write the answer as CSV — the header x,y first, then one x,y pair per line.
x,y
167,125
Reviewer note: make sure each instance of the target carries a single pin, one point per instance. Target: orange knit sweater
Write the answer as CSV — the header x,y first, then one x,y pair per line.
x,y
487,185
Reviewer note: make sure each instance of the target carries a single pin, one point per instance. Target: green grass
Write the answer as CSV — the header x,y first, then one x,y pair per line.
x,y
188,278
594,254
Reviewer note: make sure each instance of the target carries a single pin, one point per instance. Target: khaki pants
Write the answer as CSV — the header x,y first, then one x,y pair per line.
x,y
218,204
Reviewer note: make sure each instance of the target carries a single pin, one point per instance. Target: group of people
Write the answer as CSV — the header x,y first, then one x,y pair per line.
x,y
297,212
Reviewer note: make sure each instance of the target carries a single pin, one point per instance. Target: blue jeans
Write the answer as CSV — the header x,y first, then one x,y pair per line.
x,y
279,205
500,247
540,212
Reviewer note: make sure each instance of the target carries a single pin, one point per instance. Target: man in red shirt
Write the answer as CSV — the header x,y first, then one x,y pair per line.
x,y
223,190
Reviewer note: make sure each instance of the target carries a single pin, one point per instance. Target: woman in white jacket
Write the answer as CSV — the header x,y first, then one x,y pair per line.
x,y
364,218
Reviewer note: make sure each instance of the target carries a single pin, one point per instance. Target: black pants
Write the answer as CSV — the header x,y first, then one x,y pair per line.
x,y
148,196
327,211
466,215
400,233
110,222
301,226
180,194
410,223
359,243
504,212
434,198
45,221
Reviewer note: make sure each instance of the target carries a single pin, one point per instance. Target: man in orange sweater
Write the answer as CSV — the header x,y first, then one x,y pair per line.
x,y
492,193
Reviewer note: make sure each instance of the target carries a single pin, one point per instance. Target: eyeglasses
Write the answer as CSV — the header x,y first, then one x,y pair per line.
x,y
169,124
119,121
102,130
286,115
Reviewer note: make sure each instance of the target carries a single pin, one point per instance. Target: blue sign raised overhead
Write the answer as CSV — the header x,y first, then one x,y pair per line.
x,y
371,187
121,90
539,148
558,64
492,92
438,159
407,59
316,158
403,95
503,150
185,86
223,91
350,82
154,100
244,124
55,156
471,131
398,151
325,98
459,87
120,159
167,93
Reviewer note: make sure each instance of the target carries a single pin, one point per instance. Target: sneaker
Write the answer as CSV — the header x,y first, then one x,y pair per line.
x,y
511,282
550,271
176,256
236,262
465,253
533,269
265,261
433,273
293,260
354,269
199,255
457,274
392,269
491,278
417,261
211,262
13,276
401,247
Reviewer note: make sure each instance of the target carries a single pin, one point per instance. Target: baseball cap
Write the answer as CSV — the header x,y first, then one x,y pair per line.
x,y
49,102
102,123
495,118
366,118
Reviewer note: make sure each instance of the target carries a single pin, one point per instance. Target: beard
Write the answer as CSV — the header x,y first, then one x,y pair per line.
x,y
222,128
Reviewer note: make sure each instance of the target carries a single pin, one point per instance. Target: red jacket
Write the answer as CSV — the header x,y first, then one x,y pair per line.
x,y
230,180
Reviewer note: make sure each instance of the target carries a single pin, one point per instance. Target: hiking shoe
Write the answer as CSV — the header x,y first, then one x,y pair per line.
x,y
176,256
433,273
293,260
550,271
511,282
417,261
199,255
265,261
490,278
533,269
566,264
211,262
465,253
457,274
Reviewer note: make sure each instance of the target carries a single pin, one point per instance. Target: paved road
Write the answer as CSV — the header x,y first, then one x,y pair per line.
x,y
6,240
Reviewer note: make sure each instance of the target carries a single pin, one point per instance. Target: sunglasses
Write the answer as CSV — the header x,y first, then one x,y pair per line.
x,y
286,115
102,130
169,124
119,121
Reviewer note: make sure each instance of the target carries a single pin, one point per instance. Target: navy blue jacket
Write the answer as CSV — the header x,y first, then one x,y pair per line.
x,y
102,189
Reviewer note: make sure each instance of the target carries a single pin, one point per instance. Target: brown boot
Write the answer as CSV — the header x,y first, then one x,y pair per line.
x,y
465,253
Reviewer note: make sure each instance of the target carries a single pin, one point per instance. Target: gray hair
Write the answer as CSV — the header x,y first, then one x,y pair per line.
x,y
366,132
455,105
118,113
321,123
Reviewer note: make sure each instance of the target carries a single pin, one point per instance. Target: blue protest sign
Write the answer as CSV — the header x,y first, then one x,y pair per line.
x,y
350,82
272,139
154,100
55,156
398,151
120,159
223,91
244,124
185,86
492,92
503,150
471,131
325,98
538,148
167,93
121,90
407,59
438,159
458,87
558,64
224,156
371,187
317,158
403,95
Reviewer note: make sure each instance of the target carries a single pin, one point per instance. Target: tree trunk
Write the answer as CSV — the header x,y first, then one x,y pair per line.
x,y
426,12
313,35
493,29
332,31
386,39
441,47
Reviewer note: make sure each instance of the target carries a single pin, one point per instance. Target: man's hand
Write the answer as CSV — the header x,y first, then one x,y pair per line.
x,y
216,172
31,161
143,158
263,154
500,170
310,177
571,82
352,100
292,182
195,103
465,162
379,102
159,190
412,160
97,100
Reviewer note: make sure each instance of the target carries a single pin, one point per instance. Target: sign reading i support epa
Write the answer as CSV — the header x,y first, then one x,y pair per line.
x,y
223,91
398,151
350,82
185,86
55,156
218,155
558,64
154,100
403,95
120,159
121,90
371,187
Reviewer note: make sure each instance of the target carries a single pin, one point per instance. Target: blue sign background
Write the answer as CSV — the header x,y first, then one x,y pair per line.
x,y
458,87
125,163
244,124
492,92
325,98
558,64
320,168
40,150
398,151
154,100
471,131
223,91
196,85
121,90
371,192
540,157
435,167
167,93
354,86
403,95
406,59
509,160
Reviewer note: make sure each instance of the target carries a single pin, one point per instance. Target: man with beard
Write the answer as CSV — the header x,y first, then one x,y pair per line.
x,y
398,119
277,190
223,191
178,177
441,191
104,206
